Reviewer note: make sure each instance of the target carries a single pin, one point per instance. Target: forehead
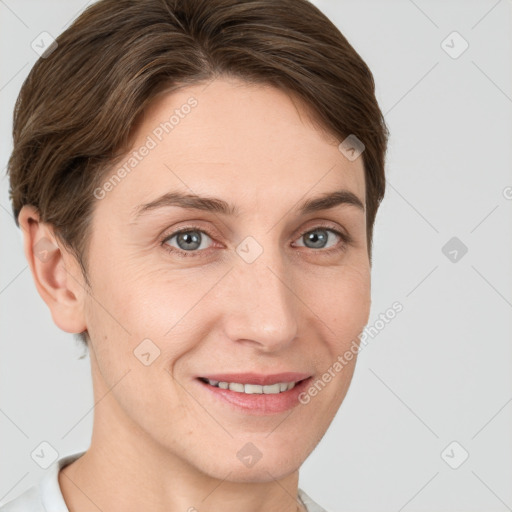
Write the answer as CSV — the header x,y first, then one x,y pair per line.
x,y
251,144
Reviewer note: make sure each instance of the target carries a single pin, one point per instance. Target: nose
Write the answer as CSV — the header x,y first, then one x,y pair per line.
x,y
264,307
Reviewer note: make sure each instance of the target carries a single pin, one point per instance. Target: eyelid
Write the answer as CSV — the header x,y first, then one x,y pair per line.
x,y
342,233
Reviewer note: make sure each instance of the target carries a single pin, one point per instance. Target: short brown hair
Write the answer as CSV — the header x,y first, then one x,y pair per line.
x,y
75,114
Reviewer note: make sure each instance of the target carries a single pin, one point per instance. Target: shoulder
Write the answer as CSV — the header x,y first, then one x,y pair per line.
x,y
29,501
311,506
46,494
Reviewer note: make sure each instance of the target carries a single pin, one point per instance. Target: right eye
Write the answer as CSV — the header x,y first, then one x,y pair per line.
x,y
188,241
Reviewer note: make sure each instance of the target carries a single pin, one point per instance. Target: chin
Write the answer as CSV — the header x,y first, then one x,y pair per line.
x,y
260,472
274,466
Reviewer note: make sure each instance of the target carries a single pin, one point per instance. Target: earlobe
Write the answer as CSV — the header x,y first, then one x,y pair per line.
x,y
55,272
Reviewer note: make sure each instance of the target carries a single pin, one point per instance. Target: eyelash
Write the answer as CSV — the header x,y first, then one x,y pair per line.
x,y
346,241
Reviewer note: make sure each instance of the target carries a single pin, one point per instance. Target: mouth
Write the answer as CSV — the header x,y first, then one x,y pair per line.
x,y
256,394
252,389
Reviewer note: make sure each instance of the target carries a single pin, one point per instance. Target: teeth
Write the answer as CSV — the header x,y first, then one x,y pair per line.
x,y
253,389
271,389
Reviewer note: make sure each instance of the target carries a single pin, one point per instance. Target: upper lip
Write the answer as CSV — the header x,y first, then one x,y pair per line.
x,y
257,378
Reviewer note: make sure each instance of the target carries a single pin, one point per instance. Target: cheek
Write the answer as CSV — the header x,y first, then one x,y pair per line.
x,y
343,303
134,304
342,308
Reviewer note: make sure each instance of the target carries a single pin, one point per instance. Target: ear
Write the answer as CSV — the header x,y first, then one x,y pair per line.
x,y
56,272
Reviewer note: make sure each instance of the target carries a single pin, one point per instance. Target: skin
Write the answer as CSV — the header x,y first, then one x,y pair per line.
x,y
158,437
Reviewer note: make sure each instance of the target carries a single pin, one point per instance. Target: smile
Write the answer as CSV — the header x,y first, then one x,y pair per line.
x,y
257,394
250,389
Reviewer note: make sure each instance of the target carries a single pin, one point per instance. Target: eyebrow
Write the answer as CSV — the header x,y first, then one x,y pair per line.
x,y
216,205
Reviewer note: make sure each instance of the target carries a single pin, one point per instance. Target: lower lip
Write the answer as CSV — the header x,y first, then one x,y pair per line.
x,y
259,403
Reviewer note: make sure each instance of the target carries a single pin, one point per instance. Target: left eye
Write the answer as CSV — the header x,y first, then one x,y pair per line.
x,y
318,237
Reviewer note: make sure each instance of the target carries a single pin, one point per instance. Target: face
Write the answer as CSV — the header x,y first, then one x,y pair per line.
x,y
258,286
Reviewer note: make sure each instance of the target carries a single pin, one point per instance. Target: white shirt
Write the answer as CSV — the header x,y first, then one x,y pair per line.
x,y
46,496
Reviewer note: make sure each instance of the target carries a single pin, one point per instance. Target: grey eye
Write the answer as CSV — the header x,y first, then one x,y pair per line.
x,y
189,240
317,238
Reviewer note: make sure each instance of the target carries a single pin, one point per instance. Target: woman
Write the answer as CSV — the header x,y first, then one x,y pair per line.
x,y
197,183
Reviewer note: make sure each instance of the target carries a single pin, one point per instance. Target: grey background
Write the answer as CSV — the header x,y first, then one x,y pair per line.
x,y
437,373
